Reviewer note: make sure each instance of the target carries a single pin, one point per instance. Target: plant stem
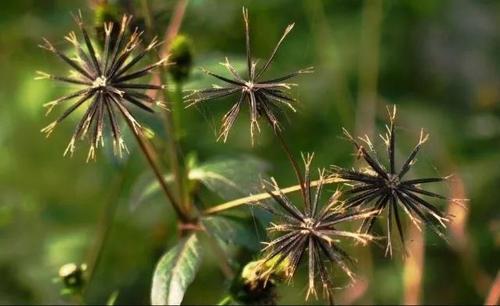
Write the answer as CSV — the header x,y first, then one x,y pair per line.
x,y
104,228
152,159
295,166
369,66
173,147
493,297
147,13
261,196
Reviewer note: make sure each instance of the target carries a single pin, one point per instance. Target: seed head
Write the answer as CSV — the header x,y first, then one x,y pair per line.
x,y
265,98
312,231
382,188
105,80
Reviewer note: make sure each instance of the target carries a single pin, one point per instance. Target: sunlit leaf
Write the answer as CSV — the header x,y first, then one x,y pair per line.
x,y
175,272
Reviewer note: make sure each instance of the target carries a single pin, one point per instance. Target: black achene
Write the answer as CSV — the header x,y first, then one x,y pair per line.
x,y
383,188
104,79
265,98
312,231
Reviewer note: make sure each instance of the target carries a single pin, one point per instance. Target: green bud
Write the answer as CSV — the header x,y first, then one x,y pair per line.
x,y
72,276
181,55
257,282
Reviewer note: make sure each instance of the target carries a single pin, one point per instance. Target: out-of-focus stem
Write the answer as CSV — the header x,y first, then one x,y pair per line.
x,y
367,101
147,13
330,62
414,267
104,228
368,66
493,297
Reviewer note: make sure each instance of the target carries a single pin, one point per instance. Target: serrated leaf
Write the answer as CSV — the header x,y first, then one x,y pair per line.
x,y
175,271
240,231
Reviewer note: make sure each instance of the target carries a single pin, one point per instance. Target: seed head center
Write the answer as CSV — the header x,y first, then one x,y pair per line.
x,y
100,82
393,181
249,85
308,225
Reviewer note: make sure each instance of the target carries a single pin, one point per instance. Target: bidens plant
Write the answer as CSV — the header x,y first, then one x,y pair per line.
x,y
111,80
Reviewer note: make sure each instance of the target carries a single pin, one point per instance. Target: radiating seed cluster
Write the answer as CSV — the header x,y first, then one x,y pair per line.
x,y
313,232
387,188
106,77
265,98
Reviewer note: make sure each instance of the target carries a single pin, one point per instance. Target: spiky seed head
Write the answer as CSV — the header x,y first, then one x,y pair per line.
x,y
109,81
265,99
386,188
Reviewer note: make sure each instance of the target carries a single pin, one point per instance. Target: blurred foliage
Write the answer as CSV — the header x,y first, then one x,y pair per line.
x,y
438,62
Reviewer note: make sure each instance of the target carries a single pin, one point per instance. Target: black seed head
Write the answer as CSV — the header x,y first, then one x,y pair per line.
x,y
384,188
265,98
311,231
106,78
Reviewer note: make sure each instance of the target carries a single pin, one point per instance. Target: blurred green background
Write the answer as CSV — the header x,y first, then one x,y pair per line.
x,y
438,61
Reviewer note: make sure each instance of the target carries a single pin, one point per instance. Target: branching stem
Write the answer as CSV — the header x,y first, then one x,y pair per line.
x,y
261,196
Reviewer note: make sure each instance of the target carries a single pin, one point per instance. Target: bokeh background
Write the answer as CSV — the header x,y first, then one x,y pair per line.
x,y
438,61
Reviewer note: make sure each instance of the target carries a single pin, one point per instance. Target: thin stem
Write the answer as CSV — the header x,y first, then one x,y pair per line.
x,y
262,196
152,158
369,66
413,268
103,230
295,166
173,147
493,297
147,13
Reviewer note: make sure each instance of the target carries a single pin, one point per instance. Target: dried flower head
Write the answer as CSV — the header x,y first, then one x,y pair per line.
x,y
104,77
264,97
381,188
312,231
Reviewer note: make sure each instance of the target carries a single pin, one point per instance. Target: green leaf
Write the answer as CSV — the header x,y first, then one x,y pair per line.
x,y
231,178
144,189
232,230
175,272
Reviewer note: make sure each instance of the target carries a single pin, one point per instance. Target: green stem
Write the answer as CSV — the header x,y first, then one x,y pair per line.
x,y
104,228
173,147
228,300
293,162
152,159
